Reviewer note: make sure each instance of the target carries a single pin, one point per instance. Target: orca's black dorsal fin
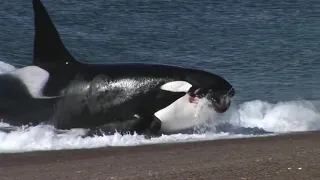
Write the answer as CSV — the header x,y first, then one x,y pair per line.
x,y
49,51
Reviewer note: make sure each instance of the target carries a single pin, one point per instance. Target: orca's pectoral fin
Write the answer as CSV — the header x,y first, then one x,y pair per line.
x,y
154,128
49,50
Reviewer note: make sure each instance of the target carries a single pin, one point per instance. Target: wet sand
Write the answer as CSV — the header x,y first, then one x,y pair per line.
x,y
287,157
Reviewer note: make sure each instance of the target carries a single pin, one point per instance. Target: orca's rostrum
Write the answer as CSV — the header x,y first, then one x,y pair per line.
x,y
118,97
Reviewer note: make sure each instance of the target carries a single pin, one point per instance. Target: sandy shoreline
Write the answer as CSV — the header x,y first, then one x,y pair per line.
x,y
275,157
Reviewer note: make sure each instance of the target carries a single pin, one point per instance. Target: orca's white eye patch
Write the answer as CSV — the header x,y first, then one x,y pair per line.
x,y
176,86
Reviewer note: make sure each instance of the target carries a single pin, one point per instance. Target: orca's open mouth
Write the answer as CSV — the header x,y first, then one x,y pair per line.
x,y
220,102
221,105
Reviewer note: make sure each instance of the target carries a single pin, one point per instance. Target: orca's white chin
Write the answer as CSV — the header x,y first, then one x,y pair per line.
x,y
182,114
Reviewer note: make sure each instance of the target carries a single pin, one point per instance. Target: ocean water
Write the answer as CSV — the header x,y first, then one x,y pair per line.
x,y
269,51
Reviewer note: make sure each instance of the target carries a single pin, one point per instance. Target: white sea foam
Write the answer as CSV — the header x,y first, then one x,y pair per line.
x,y
45,138
280,117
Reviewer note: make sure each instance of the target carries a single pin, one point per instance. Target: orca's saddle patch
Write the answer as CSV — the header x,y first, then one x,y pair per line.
x,y
33,77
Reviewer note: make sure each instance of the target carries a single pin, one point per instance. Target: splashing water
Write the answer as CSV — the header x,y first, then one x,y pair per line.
x,y
280,117
4,67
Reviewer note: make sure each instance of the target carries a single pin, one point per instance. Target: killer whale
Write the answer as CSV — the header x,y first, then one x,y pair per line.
x,y
118,97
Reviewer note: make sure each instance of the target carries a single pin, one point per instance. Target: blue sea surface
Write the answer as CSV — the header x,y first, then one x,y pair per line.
x,y
269,50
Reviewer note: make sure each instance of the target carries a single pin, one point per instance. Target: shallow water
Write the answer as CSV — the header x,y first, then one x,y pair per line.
x,y
269,51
